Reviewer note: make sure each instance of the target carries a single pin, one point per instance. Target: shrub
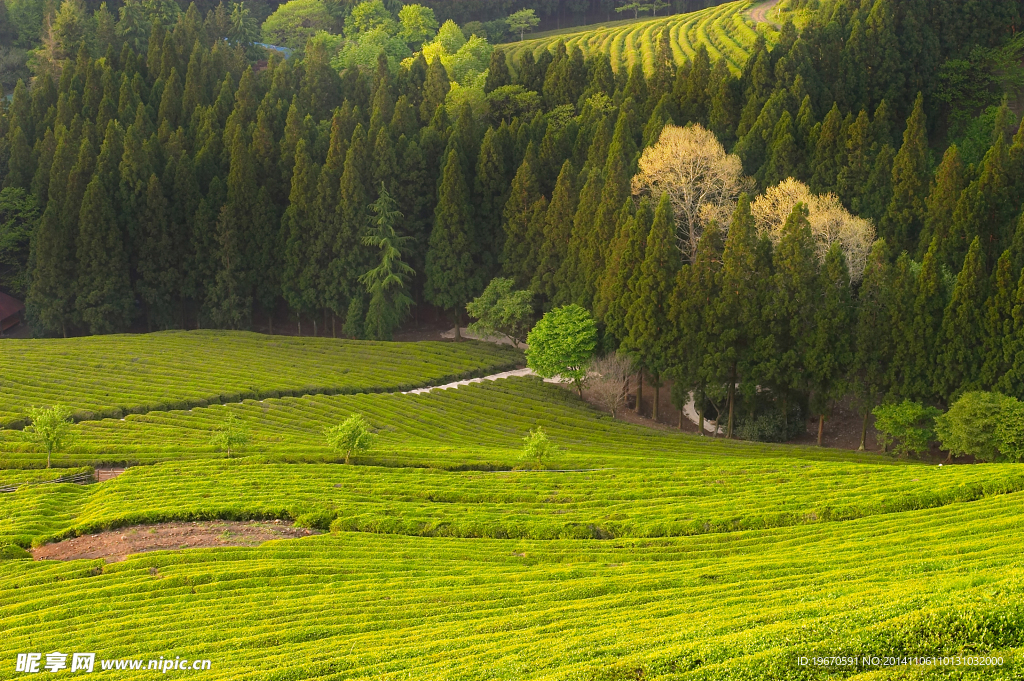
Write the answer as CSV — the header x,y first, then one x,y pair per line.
x,y
351,437
13,552
987,426
501,310
907,426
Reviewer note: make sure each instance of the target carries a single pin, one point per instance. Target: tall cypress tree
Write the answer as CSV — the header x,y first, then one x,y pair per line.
x,y
497,72
738,311
298,233
159,281
51,295
449,261
435,90
491,185
783,155
619,282
998,323
647,321
104,299
904,218
831,350
984,209
828,153
960,357
854,175
923,328
386,283
557,231
872,335
349,255
516,220
942,200
1012,382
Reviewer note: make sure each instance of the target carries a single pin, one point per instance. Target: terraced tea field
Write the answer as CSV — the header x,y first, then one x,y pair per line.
x,y
724,30
110,376
632,553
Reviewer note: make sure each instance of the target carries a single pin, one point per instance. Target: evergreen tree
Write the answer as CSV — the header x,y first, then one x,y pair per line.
x,y
620,277
1012,382
902,295
647,321
961,339
298,284
491,185
20,162
738,311
386,283
104,300
516,221
828,153
984,209
904,218
384,165
878,192
693,107
941,202
349,257
556,234
449,263
783,158
497,72
998,324
872,335
158,280
853,177
923,328
435,90
831,349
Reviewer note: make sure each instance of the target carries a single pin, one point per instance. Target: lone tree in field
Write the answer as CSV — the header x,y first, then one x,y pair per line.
x,y
562,344
537,447
231,435
522,21
50,429
350,437
501,310
701,180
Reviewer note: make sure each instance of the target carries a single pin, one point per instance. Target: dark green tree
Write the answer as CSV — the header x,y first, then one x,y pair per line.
x,y
872,335
904,218
449,261
961,338
386,283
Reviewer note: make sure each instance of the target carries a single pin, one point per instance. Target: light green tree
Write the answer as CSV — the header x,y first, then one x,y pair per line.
x,y
231,435
973,425
296,22
562,344
522,21
537,447
501,310
50,429
418,24
350,437
367,16
907,426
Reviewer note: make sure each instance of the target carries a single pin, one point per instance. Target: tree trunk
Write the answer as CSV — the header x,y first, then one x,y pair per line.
x,y
821,427
732,401
639,391
864,433
680,419
458,318
270,323
700,413
314,327
47,458
334,325
299,319
657,396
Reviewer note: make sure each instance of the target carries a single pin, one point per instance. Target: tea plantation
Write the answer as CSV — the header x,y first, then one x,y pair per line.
x,y
632,553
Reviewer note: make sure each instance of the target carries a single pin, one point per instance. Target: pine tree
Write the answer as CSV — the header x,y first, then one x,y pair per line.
x,y
1012,382
828,153
491,188
449,263
853,177
693,107
435,90
941,202
497,72
20,163
904,218
872,335
960,357
901,298
923,327
51,296
791,310
104,299
158,280
557,231
297,285
386,283
384,166
878,192
619,279
647,321
349,255
998,324
738,311
984,209
831,350
783,158
516,221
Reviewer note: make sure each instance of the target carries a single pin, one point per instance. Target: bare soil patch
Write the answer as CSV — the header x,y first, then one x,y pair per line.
x,y
115,545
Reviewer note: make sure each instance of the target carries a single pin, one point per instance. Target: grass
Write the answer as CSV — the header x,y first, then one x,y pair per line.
x,y
110,376
724,30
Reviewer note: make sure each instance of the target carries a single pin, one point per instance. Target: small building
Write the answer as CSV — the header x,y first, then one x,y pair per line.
x,y
11,312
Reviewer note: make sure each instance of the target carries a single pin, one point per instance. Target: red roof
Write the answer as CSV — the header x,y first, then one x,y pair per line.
x,y
9,306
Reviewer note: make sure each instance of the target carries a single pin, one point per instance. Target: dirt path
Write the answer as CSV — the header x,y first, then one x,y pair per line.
x,y
115,545
759,13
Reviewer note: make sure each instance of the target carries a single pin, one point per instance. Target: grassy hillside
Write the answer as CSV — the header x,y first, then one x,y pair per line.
x,y
724,30
110,376
635,553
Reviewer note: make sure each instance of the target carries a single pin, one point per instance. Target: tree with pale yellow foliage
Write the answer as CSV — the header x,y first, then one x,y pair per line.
x,y
830,222
701,180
